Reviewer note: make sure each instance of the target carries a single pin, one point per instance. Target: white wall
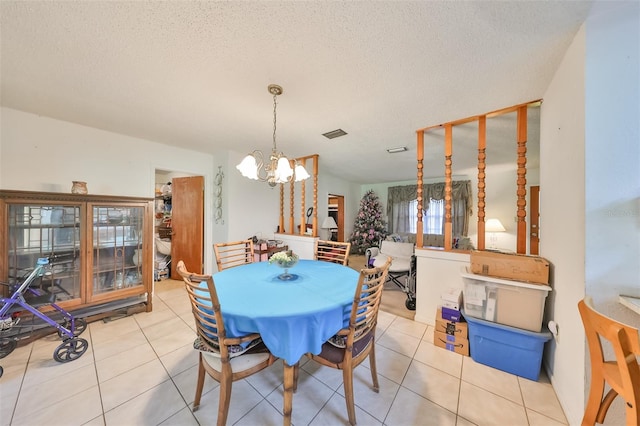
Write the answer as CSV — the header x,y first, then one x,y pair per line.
x,y
590,190
562,223
436,271
43,154
252,206
612,158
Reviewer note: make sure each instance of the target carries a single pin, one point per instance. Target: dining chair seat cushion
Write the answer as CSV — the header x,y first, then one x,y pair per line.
x,y
238,363
234,350
333,353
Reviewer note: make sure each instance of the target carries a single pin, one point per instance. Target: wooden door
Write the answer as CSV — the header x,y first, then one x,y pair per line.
x,y
187,222
534,227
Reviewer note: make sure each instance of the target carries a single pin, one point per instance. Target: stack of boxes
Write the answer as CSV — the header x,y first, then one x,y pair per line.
x,y
451,331
504,298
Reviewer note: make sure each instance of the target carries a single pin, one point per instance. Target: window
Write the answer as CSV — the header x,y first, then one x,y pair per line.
x,y
402,208
433,221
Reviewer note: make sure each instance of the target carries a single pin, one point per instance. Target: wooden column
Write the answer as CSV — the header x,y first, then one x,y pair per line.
x,y
482,165
315,194
281,221
448,151
303,220
521,246
420,154
292,229
291,198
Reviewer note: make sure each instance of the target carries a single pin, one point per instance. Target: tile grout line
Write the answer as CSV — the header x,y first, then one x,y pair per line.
x,y
164,367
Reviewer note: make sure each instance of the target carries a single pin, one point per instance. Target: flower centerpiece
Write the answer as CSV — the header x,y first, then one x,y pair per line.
x,y
284,259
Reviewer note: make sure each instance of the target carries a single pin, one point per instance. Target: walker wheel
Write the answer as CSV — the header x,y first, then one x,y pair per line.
x,y
410,304
70,349
7,346
80,327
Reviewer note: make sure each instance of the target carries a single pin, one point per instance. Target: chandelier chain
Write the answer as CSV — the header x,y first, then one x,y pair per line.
x,y
279,169
274,120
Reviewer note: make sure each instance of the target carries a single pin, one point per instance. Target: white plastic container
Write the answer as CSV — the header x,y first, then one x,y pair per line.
x,y
502,301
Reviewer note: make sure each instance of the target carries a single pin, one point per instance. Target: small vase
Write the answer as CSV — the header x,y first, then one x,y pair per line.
x,y
137,257
79,187
286,275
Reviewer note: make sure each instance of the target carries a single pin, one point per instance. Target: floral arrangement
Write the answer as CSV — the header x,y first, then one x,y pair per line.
x,y
285,259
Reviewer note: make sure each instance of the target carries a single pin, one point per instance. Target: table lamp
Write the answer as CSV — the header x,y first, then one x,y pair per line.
x,y
493,226
330,224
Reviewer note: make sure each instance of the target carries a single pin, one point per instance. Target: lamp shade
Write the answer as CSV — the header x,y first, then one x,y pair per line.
x,y
283,170
249,167
328,223
301,173
494,225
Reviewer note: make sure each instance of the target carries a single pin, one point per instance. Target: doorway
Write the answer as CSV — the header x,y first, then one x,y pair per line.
x,y
534,221
183,220
336,211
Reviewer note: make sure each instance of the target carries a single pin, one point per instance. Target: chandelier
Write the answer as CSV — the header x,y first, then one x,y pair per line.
x,y
278,169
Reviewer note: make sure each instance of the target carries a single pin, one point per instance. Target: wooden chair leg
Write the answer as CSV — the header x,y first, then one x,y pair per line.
x,y
200,383
296,371
289,376
372,367
347,376
593,403
225,400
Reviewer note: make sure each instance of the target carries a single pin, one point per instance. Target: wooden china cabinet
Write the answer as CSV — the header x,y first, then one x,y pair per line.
x,y
101,246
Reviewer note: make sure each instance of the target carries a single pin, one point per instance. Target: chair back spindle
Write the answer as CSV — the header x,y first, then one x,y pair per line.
x,y
332,251
234,253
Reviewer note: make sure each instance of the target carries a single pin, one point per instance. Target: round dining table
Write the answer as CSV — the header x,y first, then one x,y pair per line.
x,y
293,316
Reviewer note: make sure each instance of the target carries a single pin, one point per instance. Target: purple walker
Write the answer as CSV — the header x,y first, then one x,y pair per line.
x,y
27,299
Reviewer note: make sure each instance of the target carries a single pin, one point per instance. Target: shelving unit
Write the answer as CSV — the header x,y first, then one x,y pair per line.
x,y
102,246
163,230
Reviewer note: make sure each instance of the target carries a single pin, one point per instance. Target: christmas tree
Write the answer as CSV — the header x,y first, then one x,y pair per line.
x,y
369,227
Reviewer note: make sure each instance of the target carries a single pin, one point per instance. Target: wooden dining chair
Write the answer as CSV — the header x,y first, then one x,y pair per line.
x,y
234,253
352,345
332,251
225,359
622,374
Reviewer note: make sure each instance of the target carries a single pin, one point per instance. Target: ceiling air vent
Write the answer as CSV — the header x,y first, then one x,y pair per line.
x,y
397,149
334,134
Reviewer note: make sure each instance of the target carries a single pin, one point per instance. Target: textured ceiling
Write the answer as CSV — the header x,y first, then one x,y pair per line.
x,y
195,74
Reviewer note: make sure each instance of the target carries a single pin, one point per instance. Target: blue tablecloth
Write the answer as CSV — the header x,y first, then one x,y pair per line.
x,y
293,317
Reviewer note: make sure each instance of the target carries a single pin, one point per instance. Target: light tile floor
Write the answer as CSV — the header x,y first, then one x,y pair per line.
x,y
141,370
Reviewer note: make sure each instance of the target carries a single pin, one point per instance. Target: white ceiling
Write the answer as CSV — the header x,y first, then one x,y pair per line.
x,y
195,74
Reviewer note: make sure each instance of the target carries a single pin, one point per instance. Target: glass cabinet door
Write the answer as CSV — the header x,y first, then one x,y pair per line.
x,y
117,248
51,231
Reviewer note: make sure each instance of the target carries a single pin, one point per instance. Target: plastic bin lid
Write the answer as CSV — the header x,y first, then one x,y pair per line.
x,y
465,273
543,335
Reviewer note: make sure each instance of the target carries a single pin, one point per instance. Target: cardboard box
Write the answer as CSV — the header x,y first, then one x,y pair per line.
x,y
452,298
458,329
451,343
507,302
507,348
519,267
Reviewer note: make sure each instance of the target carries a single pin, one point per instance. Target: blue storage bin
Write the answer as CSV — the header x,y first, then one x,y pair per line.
x,y
506,348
